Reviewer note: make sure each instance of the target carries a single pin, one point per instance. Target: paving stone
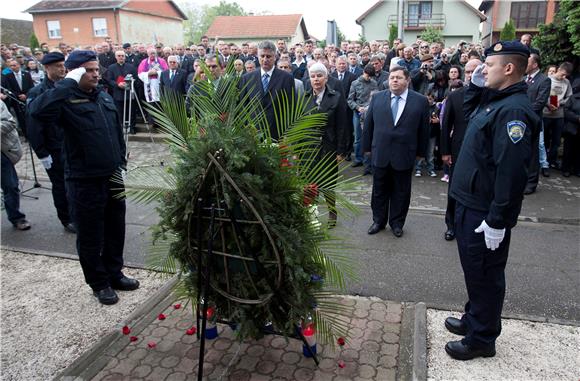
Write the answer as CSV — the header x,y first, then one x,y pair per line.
x,y
159,332
371,346
169,362
366,371
137,354
124,367
255,350
303,374
370,358
378,306
378,315
284,371
249,363
375,325
291,357
113,377
350,370
100,376
390,338
266,367
272,354
361,313
392,327
394,308
373,335
388,361
279,342
222,344
141,371
354,332
350,354
358,323
327,364
240,375
347,301
390,349
176,376
385,374
111,364
393,318
158,374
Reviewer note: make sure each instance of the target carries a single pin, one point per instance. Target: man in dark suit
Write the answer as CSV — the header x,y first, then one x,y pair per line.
x,y
539,87
19,83
174,79
353,65
267,84
396,132
346,78
453,129
115,79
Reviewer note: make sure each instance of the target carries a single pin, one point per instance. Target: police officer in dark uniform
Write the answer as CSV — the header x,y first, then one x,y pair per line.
x,y
489,181
46,139
94,156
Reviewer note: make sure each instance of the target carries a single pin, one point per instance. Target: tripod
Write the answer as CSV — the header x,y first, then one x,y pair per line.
x,y
22,109
127,107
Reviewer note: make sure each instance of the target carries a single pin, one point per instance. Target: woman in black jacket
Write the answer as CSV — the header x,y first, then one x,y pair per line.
x,y
571,157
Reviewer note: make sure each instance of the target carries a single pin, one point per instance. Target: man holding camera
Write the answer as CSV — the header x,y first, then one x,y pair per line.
x,y
422,77
117,79
94,153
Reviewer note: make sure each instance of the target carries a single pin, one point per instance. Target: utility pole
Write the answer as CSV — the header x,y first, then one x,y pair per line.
x,y
400,13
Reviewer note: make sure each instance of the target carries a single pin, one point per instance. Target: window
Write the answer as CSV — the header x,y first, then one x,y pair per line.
x,y
53,29
528,14
100,27
419,11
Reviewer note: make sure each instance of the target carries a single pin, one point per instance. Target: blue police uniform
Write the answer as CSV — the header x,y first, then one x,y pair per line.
x,y
94,151
489,180
46,139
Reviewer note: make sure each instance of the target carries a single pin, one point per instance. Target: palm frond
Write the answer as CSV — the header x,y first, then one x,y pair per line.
x,y
160,258
148,184
331,318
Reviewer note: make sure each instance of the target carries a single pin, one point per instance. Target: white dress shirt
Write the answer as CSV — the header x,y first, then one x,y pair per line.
x,y
402,103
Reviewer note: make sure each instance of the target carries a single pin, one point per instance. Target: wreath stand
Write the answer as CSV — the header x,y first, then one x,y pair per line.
x,y
213,210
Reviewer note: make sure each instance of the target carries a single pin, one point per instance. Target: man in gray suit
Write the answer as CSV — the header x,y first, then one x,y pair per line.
x,y
539,86
396,132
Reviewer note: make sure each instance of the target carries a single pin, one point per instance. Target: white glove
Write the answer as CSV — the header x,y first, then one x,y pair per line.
x,y
124,175
477,78
493,237
46,162
76,74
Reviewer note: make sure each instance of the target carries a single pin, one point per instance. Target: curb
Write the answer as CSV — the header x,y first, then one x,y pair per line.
x,y
91,362
412,364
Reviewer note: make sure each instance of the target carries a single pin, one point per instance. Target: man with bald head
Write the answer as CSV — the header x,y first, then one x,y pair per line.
x,y
454,121
119,89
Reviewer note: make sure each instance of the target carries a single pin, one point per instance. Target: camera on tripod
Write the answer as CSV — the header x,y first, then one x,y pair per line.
x,y
129,81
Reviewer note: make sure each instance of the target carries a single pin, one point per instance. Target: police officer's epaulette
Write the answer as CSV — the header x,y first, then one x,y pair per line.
x,y
78,100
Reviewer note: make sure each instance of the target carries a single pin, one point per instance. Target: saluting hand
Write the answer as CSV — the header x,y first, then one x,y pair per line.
x,y
76,74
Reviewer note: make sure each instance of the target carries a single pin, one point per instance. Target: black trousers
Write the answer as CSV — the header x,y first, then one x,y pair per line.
x,y
571,155
450,210
56,176
131,114
553,128
100,221
484,274
534,168
391,196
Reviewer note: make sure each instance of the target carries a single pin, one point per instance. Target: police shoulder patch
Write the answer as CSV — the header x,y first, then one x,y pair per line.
x,y
516,130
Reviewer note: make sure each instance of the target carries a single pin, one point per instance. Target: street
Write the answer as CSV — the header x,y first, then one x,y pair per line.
x,y
542,272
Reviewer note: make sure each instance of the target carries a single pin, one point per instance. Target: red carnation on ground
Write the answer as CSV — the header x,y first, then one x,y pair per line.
x,y
161,317
341,341
191,331
152,344
177,306
133,338
126,330
341,364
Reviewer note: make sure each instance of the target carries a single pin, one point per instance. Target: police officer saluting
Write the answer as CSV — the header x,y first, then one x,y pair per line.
x,y
489,181
94,153
47,138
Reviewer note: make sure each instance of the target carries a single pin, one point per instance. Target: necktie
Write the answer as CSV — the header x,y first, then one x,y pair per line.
x,y
530,79
352,69
340,76
265,81
395,108
172,75
19,79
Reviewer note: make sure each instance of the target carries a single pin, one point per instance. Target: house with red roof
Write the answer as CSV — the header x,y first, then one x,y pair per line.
x,y
239,29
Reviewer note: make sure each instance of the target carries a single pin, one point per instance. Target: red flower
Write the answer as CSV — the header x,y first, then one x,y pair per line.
x,y
126,330
341,364
284,163
177,306
133,338
161,317
191,331
151,344
341,341
310,193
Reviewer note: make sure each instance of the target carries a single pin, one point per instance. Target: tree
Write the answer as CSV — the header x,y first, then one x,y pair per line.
x,y
340,37
33,42
361,39
200,19
554,40
393,33
431,34
508,32
571,10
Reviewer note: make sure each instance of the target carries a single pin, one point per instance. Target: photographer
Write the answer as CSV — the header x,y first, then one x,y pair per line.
x,y
443,64
115,77
425,75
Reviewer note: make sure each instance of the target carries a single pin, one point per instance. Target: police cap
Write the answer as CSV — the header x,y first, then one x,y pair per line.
x,y
126,45
507,47
52,58
79,57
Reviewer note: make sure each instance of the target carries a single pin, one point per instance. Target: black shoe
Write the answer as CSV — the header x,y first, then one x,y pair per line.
x,y
546,172
528,191
460,351
566,174
367,172
22,225
106,296
332,217
125,284
348,158
456,326
69,227
449,235
375,228
356,164
398,232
